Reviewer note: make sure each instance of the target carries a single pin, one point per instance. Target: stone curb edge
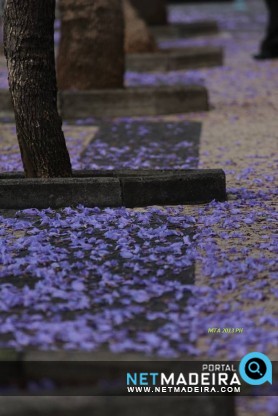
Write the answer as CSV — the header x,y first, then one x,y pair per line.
x,y
126,102
189,29
175,59
127,188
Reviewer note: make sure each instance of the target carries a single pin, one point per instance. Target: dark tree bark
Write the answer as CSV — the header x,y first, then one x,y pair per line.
x,y
91,52
138,37
154,12
1,26
29,49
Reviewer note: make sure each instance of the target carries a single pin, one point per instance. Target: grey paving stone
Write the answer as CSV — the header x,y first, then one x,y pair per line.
x,y
145,144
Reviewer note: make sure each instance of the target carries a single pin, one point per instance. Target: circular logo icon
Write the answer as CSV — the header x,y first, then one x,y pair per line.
x,y
256,368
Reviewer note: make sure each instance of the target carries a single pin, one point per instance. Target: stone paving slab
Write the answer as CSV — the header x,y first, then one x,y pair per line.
x,y
148,143
68,303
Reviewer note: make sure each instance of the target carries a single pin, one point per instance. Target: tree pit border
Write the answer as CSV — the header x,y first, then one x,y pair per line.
x,y
129,188
125,102
175,59
184,30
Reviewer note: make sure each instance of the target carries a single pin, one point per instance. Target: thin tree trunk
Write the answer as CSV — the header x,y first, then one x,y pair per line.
x,y
138,37
1,26
29,49
91,51
154,12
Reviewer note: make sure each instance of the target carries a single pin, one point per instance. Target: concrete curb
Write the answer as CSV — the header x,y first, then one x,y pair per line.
x,y
126,102
71,399
136,188
147,101
180,30
175,59
72,405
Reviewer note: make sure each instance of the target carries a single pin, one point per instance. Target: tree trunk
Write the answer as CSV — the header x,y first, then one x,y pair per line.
x,y
138,37
154,12
91,51
29,49
1,26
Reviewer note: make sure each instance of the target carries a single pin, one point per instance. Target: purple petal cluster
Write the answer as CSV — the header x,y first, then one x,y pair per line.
x,y
87,278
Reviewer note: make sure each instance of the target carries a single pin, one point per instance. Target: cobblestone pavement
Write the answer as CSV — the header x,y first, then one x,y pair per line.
x,y
235,268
